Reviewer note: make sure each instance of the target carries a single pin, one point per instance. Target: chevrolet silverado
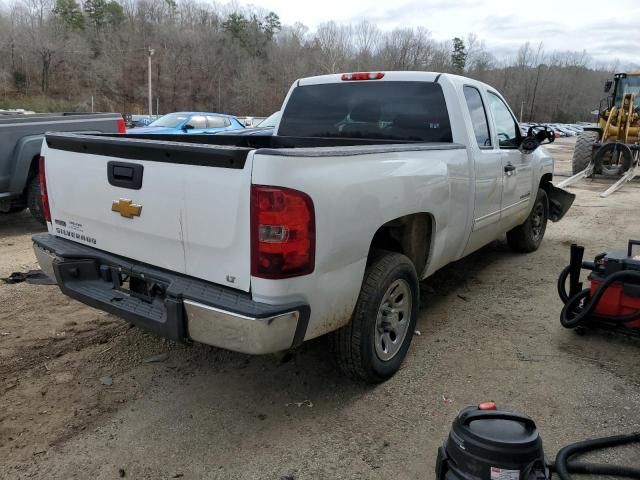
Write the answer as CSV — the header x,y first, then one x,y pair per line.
x,y
371,182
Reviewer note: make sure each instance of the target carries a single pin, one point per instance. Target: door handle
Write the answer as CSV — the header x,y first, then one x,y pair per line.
x,y
509,169
125,175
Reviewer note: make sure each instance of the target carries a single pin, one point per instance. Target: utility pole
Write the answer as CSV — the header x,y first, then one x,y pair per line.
x,y
535,91
521,109
151,52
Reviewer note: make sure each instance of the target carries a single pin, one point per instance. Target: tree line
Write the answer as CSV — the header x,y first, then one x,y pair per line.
x,y
61,54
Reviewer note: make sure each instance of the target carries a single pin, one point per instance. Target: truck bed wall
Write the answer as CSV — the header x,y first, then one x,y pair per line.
x,y
259,141
21,137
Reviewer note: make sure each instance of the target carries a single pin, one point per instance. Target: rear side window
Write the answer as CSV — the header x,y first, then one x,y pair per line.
x,y
198,121
217,122
402,111
478,116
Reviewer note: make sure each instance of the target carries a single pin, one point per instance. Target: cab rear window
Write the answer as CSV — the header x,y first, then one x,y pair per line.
x,y
402,111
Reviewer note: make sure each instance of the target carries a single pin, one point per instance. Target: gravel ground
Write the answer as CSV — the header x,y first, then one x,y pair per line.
x,y
84,396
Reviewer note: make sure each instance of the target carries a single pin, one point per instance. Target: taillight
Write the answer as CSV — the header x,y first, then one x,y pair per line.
x,y
283,232
122,127
44,196
362,76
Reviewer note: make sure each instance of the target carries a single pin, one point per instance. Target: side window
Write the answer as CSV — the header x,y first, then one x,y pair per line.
x,y
506,127
478,116
198,121
217,122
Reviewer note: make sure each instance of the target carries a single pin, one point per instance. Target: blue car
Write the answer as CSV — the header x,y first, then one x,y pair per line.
x,y
264,129
190,122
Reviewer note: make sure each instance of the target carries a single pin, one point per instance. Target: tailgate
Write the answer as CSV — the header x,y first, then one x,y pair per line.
x,y
179,206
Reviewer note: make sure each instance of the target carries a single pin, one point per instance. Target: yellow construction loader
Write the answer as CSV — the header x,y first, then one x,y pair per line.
x,y
613,146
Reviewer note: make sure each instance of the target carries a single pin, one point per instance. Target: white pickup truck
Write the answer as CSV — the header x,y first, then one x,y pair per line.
x,y
371,182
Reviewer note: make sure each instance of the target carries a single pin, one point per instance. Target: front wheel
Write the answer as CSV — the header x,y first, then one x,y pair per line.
x,y
374,344
528,236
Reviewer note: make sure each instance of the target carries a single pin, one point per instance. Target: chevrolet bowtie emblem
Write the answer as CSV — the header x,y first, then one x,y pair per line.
x,y
126,208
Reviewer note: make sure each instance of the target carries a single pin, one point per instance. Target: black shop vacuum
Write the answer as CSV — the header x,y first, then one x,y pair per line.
x,y
490,444
612,300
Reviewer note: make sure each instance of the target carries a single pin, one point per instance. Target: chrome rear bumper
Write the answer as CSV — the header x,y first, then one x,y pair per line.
x,y
232,331
186,308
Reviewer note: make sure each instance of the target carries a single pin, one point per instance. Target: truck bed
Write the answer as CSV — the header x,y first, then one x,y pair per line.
x,y
224,150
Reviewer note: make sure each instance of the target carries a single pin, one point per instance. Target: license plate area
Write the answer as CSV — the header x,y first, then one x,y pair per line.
x,y
138,285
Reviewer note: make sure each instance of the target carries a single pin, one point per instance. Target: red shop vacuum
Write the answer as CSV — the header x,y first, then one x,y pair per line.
x,y
612,300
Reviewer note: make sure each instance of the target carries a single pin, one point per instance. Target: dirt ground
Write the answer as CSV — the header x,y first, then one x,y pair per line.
x,y
82,395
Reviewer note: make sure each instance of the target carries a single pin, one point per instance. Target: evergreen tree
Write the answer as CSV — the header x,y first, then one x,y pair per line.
x,y
272,24
236,25
458,55
101,12
95,10
114,13
69,12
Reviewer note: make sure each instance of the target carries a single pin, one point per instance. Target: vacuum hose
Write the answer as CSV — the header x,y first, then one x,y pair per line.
x,y
574,314
579,307
563,467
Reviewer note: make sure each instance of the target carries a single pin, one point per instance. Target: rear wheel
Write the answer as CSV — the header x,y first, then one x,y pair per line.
x,y
528,236
374,344
13,209
34,200
583,151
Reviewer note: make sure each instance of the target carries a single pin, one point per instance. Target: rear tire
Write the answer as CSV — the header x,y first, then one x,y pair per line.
x,y
528,236
583,151
34,200
374,344
13,209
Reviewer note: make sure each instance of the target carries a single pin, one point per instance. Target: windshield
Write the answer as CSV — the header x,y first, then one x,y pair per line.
x,y
628,85
270,121
172,120
403,111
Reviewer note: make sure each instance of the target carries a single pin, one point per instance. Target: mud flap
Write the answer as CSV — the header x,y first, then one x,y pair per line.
x,y
559,202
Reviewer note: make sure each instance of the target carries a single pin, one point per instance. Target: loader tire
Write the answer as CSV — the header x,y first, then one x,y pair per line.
x,y
583,151
606,156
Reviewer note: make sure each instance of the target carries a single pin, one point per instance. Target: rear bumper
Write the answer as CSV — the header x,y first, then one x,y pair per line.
x,y
179,307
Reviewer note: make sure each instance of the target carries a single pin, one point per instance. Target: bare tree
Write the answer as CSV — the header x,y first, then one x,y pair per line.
x,y
335,44
204,61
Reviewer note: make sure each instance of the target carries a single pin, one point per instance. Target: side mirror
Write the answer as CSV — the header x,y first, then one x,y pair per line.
x,y
529,144
607,85
188,127
536,136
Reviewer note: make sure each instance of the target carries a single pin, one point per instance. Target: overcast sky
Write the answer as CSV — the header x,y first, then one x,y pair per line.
x,y
607,29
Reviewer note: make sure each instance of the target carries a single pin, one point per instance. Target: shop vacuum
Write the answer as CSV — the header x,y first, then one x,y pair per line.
x,y
490,444
612,300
